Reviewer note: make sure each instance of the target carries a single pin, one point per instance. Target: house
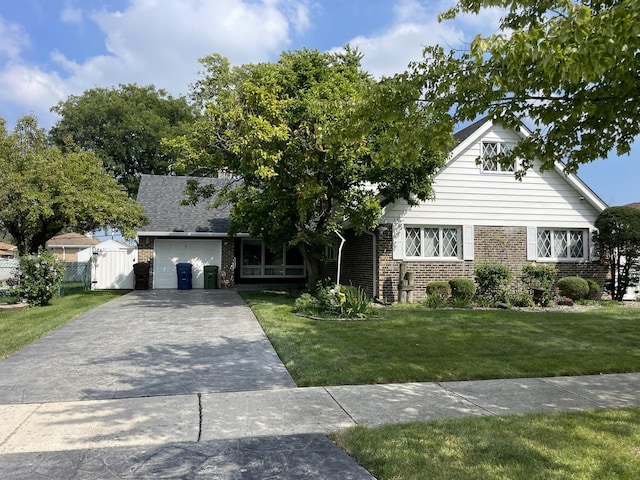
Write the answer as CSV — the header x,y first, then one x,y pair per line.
x,y
198,235
8,251
67,245
480,213
633,290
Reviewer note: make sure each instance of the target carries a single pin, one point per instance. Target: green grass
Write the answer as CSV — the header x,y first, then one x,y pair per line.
x,y
19,328
415,344
577,445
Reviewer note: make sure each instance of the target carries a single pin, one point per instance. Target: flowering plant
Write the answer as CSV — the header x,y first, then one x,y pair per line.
x,y
38,278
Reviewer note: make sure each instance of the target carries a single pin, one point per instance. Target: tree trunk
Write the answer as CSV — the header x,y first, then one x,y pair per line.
x,y
312,265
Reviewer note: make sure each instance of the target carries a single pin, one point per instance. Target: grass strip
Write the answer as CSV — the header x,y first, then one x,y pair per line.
x,y
589,444
19,328
417,344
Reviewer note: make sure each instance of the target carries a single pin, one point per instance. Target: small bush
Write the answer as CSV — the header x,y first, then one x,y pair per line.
x,y
39,276
356,302
334,301
595,290
439,289
433,300
492,278
538,276
575,288
462,289
522,299
306,304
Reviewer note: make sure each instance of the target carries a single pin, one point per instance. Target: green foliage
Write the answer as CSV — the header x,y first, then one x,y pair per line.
x,y
434,300
618,243
334,301
440,289
39,277
45,191
462,289
305,139
538,276
492,279
521,299
124,127
581,112
595,290
575,288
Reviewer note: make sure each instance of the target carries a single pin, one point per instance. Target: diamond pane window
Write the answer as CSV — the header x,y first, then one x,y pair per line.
x,y
431,242
576,244
412,242
544,243
490,150
561,244
450,242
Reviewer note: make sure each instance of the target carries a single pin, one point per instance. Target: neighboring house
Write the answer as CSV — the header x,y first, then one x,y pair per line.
x,y
633,290
111,265
198,235
67,245
8,251
479,214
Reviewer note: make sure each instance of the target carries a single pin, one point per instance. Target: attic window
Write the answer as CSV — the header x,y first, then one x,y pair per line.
x,y
490,150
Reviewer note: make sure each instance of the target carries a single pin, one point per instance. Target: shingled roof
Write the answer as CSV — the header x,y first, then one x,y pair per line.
x,y
161,197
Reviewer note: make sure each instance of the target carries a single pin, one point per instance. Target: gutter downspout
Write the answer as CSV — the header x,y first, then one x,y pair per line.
x,y
342,242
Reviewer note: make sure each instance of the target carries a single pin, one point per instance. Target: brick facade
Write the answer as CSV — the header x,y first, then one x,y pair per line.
x,y
506,245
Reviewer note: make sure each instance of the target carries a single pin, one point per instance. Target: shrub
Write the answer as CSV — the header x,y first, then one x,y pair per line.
x,y
433,300
356,302
492,278
522,299
462,288
39,276
595,290
439,289
575,288
334,301
538,276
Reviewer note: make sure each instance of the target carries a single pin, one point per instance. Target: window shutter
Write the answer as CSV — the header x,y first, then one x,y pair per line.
x,y
467,242
593,248
398,241
532,243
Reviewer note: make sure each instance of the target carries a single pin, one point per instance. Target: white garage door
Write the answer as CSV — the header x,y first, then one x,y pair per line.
x,y
196,252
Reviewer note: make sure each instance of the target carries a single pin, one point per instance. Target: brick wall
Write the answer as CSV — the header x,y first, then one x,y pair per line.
x,y
506,245
357,261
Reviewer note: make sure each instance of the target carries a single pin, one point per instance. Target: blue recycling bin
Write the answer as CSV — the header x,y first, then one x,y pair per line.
x,y
184,276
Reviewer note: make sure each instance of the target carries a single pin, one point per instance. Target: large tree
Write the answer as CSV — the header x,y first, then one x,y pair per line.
x,y
311,156
571,67
45,191
618,241
123,126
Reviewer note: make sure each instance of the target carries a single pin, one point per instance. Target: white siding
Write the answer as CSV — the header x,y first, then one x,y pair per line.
x,y
466,196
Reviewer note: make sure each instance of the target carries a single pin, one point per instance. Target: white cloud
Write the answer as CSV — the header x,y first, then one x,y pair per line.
x,y
71,14
414,26
12,39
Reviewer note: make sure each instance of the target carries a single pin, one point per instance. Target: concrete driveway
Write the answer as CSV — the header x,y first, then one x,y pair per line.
x,y
137,388
147,343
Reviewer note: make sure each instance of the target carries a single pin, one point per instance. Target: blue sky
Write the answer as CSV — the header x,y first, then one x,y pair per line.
x,y
50,49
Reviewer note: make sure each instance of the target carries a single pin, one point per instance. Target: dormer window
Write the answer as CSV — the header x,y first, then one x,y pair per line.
x,y
490,150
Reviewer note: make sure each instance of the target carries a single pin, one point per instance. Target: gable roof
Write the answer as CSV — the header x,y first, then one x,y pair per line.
x,y
161,197
474,132
634,205
7,250
71,240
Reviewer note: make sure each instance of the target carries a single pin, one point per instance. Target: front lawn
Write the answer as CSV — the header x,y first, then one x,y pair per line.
x,y
416,344
19,328
591,444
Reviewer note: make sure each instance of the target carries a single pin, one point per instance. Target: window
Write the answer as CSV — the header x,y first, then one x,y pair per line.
x,y
561,244
259,261
489,152
432,242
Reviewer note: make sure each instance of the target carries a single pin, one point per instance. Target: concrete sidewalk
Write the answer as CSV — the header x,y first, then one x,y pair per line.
x,y
146,404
